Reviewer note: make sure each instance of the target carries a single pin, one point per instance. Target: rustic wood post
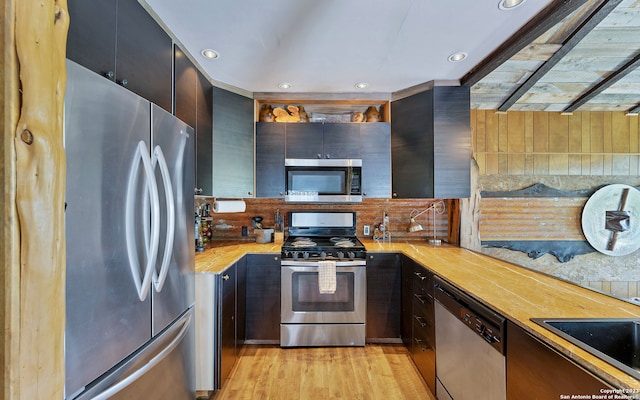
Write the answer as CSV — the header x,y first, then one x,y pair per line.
x,y
34,39
9,275
470,213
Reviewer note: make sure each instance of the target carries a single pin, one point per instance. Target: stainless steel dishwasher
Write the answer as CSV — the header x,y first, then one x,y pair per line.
x,y
470,362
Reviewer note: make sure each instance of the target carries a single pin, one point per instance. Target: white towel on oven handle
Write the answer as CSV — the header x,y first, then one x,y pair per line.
x,y
327,277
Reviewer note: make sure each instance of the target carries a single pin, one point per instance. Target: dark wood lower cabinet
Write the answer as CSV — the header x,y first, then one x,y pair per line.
x,y
418,318
400,305
383,297
406,323
535,371
263,298
227,321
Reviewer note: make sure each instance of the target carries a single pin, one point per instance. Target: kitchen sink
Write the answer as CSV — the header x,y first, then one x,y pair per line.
x,y
614,340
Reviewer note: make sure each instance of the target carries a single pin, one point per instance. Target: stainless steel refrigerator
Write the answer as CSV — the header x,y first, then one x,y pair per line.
x,y
130,245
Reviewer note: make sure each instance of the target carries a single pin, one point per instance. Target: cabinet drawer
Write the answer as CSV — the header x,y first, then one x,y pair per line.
x,y
424,314
424,354
421,299
423,282
424,335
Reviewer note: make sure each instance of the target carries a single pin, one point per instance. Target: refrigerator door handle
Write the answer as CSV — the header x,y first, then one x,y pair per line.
x,y
142,285
149,365
159,159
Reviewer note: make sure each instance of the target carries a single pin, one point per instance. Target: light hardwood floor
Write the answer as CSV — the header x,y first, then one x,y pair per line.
x,y
370,372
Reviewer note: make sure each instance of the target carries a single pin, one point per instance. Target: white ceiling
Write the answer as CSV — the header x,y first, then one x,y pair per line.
x,y
329,45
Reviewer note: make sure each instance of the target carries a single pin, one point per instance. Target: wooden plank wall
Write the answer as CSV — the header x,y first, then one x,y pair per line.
x,y
548,143
542,144
550,218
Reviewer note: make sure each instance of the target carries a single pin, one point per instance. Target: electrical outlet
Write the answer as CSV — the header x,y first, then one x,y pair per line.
x,y
366,230
245,231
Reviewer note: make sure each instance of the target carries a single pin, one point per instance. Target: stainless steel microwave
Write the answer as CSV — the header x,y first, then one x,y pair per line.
x,y
323,180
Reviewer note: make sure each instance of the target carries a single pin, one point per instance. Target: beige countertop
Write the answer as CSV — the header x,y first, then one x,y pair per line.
x,y
515,292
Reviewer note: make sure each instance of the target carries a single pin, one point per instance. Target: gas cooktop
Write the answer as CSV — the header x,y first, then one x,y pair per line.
x,y
323,248
322,235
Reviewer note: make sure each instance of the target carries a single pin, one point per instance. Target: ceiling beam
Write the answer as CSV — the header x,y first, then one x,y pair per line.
x,y
614,77
543,21
634,110
597,15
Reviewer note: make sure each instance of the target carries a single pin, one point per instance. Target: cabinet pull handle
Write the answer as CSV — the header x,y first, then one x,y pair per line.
x,y
275,258
109,75
327,156
395,195
421,298
319,155
122,82
421,321
419,275
225,277
419,343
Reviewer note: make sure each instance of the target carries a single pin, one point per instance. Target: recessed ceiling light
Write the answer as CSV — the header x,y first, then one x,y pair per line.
x,y
456,57
211,54
361,85
285,85
510,4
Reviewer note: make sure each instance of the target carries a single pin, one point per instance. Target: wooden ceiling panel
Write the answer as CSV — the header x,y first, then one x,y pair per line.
x,y
597,73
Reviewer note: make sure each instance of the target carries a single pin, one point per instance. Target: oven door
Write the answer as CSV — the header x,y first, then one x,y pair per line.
x,y
302,302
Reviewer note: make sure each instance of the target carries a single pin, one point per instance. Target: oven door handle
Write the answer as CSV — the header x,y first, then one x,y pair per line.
x,y
350,263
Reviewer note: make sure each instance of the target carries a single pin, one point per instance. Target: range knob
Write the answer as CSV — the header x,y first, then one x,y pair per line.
x,y
295,255
351,255
323,255
340,255
305,255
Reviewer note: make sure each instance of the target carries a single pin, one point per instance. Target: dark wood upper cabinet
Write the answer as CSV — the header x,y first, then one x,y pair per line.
x,y
233,144
204,135
323,140
431,144
304,140
367,141
194,105
186,82
341,140
91,40
270,143
121,41
375,148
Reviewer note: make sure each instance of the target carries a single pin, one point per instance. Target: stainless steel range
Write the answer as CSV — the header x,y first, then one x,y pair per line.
x,y
323,298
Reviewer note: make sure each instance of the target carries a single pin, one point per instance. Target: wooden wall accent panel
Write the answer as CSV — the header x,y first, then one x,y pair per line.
x,y
544,143
514,219
39,187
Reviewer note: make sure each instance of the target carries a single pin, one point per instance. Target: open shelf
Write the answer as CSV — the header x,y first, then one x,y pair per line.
x,y
338,108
